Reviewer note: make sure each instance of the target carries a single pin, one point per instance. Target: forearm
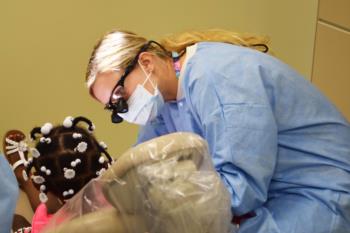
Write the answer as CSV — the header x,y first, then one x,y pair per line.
x,y
32,193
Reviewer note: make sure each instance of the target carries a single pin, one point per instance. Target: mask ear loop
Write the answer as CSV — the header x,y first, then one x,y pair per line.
x,y
147,77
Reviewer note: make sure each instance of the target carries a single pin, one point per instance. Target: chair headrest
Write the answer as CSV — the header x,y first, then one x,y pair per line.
x,y
188,145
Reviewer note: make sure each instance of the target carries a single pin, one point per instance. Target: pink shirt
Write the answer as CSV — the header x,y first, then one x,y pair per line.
x,y
40,218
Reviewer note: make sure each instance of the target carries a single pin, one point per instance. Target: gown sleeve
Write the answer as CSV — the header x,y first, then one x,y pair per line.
x,y
8,195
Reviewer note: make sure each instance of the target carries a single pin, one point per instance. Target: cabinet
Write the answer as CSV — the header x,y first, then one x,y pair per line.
x,y
331,66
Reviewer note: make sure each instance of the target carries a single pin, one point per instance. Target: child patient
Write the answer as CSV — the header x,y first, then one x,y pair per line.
x,y
64,159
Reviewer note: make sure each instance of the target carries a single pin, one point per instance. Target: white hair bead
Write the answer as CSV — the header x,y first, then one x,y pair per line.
x,y
42,188
77,135
100,172
68,192
35,152
43,197
46,128
38,179
75,162
103,145
45,140
68,122
81,147
101,160
69,173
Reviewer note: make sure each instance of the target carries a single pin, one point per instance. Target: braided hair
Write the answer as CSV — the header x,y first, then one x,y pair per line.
x,y
66,157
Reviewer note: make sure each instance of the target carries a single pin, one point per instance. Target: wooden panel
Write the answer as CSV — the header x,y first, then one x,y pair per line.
x,y
336,12
331,70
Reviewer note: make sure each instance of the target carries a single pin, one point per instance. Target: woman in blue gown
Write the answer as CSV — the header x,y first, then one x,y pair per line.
x,y
281,148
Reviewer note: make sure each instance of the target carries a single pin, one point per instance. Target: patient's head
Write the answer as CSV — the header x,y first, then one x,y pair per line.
x,y
66,157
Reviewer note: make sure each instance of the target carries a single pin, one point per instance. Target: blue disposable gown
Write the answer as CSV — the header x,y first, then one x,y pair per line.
x,y
8,195
281,148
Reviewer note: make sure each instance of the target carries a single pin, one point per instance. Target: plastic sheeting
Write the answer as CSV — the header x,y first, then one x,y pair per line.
x,y
165,185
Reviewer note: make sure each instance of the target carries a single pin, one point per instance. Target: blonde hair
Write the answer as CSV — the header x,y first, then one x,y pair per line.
x,y
179,42
117,49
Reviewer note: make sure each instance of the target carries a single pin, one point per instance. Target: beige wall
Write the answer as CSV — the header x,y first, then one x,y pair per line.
x,y
45,45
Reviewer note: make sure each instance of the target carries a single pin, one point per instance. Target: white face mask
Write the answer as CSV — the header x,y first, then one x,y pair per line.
x,y
143,106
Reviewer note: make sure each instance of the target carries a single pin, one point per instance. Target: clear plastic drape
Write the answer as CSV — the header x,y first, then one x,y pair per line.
x,y
165,185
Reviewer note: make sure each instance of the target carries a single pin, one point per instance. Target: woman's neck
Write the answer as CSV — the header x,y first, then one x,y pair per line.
x,y
170,85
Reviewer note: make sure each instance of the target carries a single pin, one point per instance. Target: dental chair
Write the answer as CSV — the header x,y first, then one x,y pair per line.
x,y
165,185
